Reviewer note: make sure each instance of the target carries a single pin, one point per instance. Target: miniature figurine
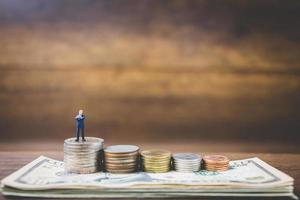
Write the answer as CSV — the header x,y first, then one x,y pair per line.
x,y
80,125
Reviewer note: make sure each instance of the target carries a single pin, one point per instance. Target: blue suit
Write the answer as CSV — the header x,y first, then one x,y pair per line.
x,y
80,126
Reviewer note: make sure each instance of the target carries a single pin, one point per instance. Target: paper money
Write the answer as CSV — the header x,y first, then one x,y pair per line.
x,y
45,177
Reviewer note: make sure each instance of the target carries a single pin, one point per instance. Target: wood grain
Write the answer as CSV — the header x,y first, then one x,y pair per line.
x,y
145,70
147,104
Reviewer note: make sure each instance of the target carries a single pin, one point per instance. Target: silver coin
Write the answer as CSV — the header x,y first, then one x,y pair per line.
x,y
186,156
80,163
80,166
89,141
121,149
187,165
187,161
74,169
85,158
186,171
78,146
83,144
183,168
82,154
81,160
87,149
82,157
82,171
69,165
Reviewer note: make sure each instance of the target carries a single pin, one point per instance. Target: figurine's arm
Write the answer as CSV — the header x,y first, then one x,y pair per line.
x,y
80,117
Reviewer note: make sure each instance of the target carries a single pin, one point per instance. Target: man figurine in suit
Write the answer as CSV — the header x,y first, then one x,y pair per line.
x,y
80,125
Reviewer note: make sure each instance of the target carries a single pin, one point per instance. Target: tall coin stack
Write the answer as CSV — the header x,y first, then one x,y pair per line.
x,y
187,162
216,163
83,157
121,158
156,161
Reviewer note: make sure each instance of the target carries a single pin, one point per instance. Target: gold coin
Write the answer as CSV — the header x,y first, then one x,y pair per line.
x,y
156,153
156,161
153,159
157,171
156,167
121,171
150,169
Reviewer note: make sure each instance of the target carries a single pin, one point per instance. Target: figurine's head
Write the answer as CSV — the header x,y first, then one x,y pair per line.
x,y
80,112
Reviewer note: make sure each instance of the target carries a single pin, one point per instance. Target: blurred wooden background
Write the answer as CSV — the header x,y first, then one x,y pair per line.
x,y
151,70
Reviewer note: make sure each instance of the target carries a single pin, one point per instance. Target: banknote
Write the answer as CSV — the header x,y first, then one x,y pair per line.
x,y
46,177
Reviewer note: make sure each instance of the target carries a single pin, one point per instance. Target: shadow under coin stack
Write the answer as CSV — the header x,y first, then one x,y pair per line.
x,y
156,161
121,158
187,162
83,157
215,163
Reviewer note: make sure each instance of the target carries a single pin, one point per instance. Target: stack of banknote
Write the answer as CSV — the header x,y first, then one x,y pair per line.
x,y
45,177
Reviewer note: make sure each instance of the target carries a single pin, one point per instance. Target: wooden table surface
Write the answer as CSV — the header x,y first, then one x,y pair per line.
x,y
288,163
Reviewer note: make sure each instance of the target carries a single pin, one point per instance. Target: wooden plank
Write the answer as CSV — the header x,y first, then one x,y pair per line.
x,y
149,105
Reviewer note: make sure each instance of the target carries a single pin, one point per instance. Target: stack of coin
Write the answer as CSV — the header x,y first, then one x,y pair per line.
x,y
83,157
187,162
121,158
156,161
215,163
